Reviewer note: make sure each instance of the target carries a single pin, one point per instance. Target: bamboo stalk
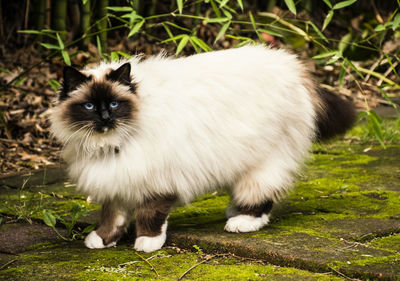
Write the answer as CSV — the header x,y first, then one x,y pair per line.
x,y
59,14
101,16
1,21
85,21
39,16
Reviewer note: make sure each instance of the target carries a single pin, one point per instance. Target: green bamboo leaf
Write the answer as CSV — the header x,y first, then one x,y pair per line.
x,y
328,19
66,58
89,228
84,2
123,54
343,4
253,23
322,36
327,2
50,46
227,13
271,32
60,42
215,9
332,60
354,68
54,84
179,3
48,218
380,27
217,20
194,45
136,28
20,81
120,9
240,2
99,49
222,31
344,42
182,44
386,97
200,43
114,56
396,22
325,55
391,64
290,4
223,3
376,122
29,31
177,26
168,30
180,36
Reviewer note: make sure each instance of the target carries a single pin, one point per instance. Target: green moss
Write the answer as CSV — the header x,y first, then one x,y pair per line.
x,y
391,243
74,262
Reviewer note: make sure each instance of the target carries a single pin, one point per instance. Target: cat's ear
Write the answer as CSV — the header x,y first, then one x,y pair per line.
x,y
122,74
73,78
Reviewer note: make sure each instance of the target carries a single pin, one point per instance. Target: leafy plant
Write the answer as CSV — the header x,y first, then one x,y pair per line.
x,y
76,212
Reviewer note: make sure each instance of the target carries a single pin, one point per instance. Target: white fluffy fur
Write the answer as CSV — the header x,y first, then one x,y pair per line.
x,y
246,223
94,241
149,244
241,118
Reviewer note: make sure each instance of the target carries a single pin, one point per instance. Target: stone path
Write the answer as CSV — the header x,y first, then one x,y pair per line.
x,y
341,222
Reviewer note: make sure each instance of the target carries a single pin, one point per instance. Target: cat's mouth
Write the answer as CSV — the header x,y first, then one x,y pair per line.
x,y
104,129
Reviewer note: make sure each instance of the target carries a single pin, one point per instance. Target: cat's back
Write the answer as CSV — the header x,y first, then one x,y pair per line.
x,y
244,63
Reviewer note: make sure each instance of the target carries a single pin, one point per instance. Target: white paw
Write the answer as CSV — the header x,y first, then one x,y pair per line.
x,y
94,241
150,244
246,223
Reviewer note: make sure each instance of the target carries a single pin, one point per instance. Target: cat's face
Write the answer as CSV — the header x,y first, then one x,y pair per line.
x,y
98,105
95,106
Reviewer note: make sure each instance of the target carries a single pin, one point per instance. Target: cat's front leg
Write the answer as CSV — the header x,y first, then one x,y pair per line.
x,y
151,223
115,218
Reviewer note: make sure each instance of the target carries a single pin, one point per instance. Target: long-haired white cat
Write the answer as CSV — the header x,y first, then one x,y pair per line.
x,y
140,135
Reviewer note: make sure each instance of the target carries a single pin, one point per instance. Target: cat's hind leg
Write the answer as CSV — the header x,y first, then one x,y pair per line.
x,y
151,223
253,196
115,218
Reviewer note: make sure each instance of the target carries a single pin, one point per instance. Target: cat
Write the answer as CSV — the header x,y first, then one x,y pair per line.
x,y
139,135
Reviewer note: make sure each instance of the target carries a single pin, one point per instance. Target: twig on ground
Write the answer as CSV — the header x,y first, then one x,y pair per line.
x,y
8,263
342,275
146,261
196,265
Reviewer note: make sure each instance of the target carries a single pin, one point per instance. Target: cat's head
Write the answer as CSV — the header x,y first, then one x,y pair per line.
x,y
94,104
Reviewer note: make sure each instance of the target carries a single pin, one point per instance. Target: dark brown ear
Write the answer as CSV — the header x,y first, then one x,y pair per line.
x,y
121,74
73,78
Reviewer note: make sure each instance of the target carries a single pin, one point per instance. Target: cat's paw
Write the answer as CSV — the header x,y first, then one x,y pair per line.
x,y
94,241
150,244
246,223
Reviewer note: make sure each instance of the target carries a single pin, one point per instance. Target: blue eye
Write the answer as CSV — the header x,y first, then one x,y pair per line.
x,y
113,104
89,106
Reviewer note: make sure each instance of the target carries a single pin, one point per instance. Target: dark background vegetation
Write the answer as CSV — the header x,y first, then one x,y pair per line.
x,y
352,46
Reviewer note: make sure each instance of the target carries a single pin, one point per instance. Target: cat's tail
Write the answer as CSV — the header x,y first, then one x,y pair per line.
x,y
335,115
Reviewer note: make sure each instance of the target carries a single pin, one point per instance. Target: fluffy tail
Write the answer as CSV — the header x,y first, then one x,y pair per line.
x,y
335,116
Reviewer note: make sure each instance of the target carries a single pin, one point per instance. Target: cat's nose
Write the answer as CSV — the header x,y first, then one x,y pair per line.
x,y
105,115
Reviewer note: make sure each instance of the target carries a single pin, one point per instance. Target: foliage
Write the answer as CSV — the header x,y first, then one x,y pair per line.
x,y
204,25
76,212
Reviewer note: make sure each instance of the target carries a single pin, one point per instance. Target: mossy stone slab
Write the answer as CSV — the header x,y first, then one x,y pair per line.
x,y
73,262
